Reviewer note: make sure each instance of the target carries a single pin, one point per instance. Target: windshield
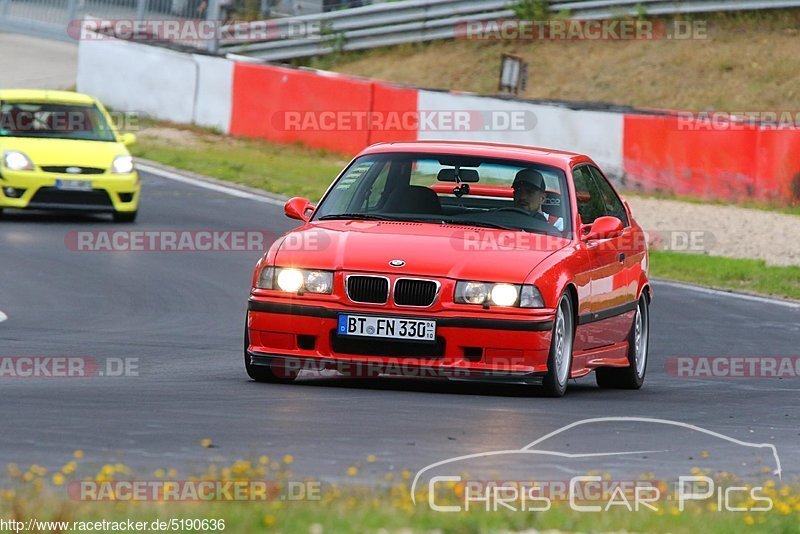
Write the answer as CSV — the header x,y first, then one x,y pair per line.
x,y
462,190
61,121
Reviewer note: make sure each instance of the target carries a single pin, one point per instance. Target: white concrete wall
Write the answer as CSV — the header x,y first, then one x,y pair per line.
x,y
161,83
597,134
214,92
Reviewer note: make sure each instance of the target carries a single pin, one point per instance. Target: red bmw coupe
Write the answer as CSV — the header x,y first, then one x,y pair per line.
x,y
460,260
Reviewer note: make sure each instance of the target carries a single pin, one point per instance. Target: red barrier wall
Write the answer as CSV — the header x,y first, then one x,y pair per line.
x,y
328,111
727,164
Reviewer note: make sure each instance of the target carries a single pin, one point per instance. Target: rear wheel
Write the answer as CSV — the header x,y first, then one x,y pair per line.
x,y
276,372
559,362
631,377
125,216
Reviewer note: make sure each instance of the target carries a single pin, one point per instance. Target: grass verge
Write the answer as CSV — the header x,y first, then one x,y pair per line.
x,y
291,170
751,276
353,506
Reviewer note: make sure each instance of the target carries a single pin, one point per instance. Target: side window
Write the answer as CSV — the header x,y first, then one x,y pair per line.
x,y
613,205
590,200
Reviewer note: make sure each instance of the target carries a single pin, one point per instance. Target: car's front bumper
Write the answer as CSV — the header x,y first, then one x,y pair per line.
x,y
467,345
37,190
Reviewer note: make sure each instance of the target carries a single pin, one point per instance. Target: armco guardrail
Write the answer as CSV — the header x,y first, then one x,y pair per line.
x,y
412,21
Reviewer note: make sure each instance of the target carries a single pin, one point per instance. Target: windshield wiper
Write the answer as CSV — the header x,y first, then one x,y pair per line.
x,y
357,216
483,224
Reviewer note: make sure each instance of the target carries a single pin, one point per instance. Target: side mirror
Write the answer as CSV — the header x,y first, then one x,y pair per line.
x,y
128,139
604,228
298,208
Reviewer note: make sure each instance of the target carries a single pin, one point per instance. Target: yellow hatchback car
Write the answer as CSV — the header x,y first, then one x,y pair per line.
x,y
60,150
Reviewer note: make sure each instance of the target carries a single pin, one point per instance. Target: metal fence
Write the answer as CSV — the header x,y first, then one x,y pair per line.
x,y
413,21
303,28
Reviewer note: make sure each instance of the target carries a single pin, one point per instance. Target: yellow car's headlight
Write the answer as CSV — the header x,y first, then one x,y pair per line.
x,y
122,165
17,161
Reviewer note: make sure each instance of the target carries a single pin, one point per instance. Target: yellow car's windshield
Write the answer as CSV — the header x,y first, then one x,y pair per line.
x,y
59,121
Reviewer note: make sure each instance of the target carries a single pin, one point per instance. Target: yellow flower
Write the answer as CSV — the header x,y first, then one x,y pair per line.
x,y
705,454
206,442
78,454
406,474
263,460
748,519
371,459
58,479
352,471
28,476
288,459
172,473
269,520
158,473
69,467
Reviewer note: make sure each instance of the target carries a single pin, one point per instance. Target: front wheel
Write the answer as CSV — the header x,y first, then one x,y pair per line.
x,y
559,362
631,377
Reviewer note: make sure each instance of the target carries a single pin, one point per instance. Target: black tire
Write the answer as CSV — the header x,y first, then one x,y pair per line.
x,y
275,373
561,343
632,376
125,216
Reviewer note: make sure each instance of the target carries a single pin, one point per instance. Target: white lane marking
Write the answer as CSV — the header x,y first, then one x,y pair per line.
x,y
232,191
731,294
3,316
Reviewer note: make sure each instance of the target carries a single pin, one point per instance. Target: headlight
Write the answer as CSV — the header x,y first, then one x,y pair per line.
x,y
504,294
122,165
498,294
290,280
296,280
17,161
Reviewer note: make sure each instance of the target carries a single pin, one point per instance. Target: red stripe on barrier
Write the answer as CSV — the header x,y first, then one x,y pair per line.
x,y
398,105
746,164
327,111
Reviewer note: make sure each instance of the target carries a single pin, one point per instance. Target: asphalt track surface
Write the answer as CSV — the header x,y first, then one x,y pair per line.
x,y
181,315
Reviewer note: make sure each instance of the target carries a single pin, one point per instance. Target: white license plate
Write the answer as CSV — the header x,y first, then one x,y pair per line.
x,y
387,327
74,185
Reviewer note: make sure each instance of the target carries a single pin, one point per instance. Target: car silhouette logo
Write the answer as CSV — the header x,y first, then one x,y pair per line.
x,y
397,263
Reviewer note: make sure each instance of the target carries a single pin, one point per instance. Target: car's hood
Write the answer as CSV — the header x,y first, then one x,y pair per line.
x,y
457,252
43,151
